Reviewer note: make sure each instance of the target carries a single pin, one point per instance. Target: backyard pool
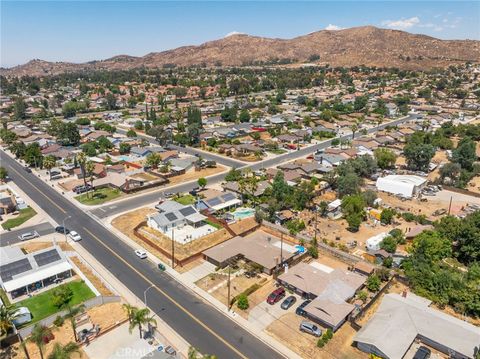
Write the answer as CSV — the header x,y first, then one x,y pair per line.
x,y
242,212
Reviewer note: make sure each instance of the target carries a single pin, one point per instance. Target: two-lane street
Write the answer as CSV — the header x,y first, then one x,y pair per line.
x,y
199,323
117,207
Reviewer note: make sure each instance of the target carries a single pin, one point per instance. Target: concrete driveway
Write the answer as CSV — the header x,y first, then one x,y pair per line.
x,y
265,314
11,237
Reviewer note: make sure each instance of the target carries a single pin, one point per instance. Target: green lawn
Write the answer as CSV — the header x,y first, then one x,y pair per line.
x,y
278,151
186,199
25,215
99,196
41,305
215,225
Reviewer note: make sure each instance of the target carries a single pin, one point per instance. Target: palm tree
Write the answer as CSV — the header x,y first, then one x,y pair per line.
x,y
130,309
81,159
40,335
8,313
141,317
72,312
65,351
354,129
89,168
49,162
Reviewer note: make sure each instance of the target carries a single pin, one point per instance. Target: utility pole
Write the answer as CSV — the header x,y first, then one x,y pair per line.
x,y
173,248
281,248
450,205
228,294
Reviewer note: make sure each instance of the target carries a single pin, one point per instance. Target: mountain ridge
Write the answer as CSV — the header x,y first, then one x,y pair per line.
x,y
366,45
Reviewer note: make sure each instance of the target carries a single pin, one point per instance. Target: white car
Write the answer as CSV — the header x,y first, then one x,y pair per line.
x,y
74,236
141,253
28,235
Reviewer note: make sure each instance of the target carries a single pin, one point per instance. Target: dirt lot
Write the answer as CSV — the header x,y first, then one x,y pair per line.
x,y
286,331
128,221
243,225
105,316
30,247
261,294
193,175
97,283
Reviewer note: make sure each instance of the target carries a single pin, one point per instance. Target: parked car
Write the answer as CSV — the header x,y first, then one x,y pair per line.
x,y
300,310
250,274
74,236
28,235
82,189
168,194
288,302
310,328
27,169
141,253
275,296
62,230
422,353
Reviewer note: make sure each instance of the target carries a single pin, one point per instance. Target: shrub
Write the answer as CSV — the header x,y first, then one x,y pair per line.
x,y
313,251
328,334
242,302
59,320
62,295
386,217
362,295
321,343
373,283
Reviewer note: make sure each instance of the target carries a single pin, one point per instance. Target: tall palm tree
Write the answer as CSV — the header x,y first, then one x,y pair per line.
x,y
49,162
8,313
130,309
82,160
141,317
89,168
72,312
64,351
39,336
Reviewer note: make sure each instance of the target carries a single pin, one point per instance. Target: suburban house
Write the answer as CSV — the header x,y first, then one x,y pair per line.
x,y
329,289
22,274
409,318
173,215
215,201
258,247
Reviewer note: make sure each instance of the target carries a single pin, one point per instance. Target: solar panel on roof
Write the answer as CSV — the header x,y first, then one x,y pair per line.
x,y
228,197
171,216
187,211
9,270
48,257
213,202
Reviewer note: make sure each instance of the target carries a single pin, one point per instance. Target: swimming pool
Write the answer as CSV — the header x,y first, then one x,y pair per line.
x,y
242,212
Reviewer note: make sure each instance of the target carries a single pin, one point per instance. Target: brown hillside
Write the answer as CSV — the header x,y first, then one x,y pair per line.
x,y
356,46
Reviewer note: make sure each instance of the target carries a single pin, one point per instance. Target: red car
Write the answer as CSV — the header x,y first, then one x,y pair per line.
x,y
275,296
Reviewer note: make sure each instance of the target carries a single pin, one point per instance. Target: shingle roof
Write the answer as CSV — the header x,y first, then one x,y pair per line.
x,y
405,318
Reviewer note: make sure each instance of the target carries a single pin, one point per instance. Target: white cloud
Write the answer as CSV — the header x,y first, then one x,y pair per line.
x,y
402,24
234,33
332,27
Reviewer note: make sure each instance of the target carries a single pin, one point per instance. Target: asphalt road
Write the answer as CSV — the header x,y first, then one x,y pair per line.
x,y
142,200
11,237
199,323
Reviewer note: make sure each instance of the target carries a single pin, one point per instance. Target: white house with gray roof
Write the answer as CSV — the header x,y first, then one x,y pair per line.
x,y
175,215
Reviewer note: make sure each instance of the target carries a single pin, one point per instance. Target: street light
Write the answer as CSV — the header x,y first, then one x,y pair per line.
x,y
145,294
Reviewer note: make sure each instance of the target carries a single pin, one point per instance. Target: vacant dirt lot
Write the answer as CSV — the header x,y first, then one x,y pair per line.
x,y
286,331
30,247
243,225
193,175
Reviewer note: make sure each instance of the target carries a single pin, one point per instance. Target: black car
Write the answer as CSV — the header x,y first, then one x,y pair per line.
x,y
27,169
62,230
422,353
300,310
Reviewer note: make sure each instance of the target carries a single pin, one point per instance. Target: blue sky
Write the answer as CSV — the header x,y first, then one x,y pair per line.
x,y
79,31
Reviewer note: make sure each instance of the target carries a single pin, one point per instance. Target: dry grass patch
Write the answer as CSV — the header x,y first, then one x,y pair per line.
x,y
30,247
243,225
97,282
194,175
